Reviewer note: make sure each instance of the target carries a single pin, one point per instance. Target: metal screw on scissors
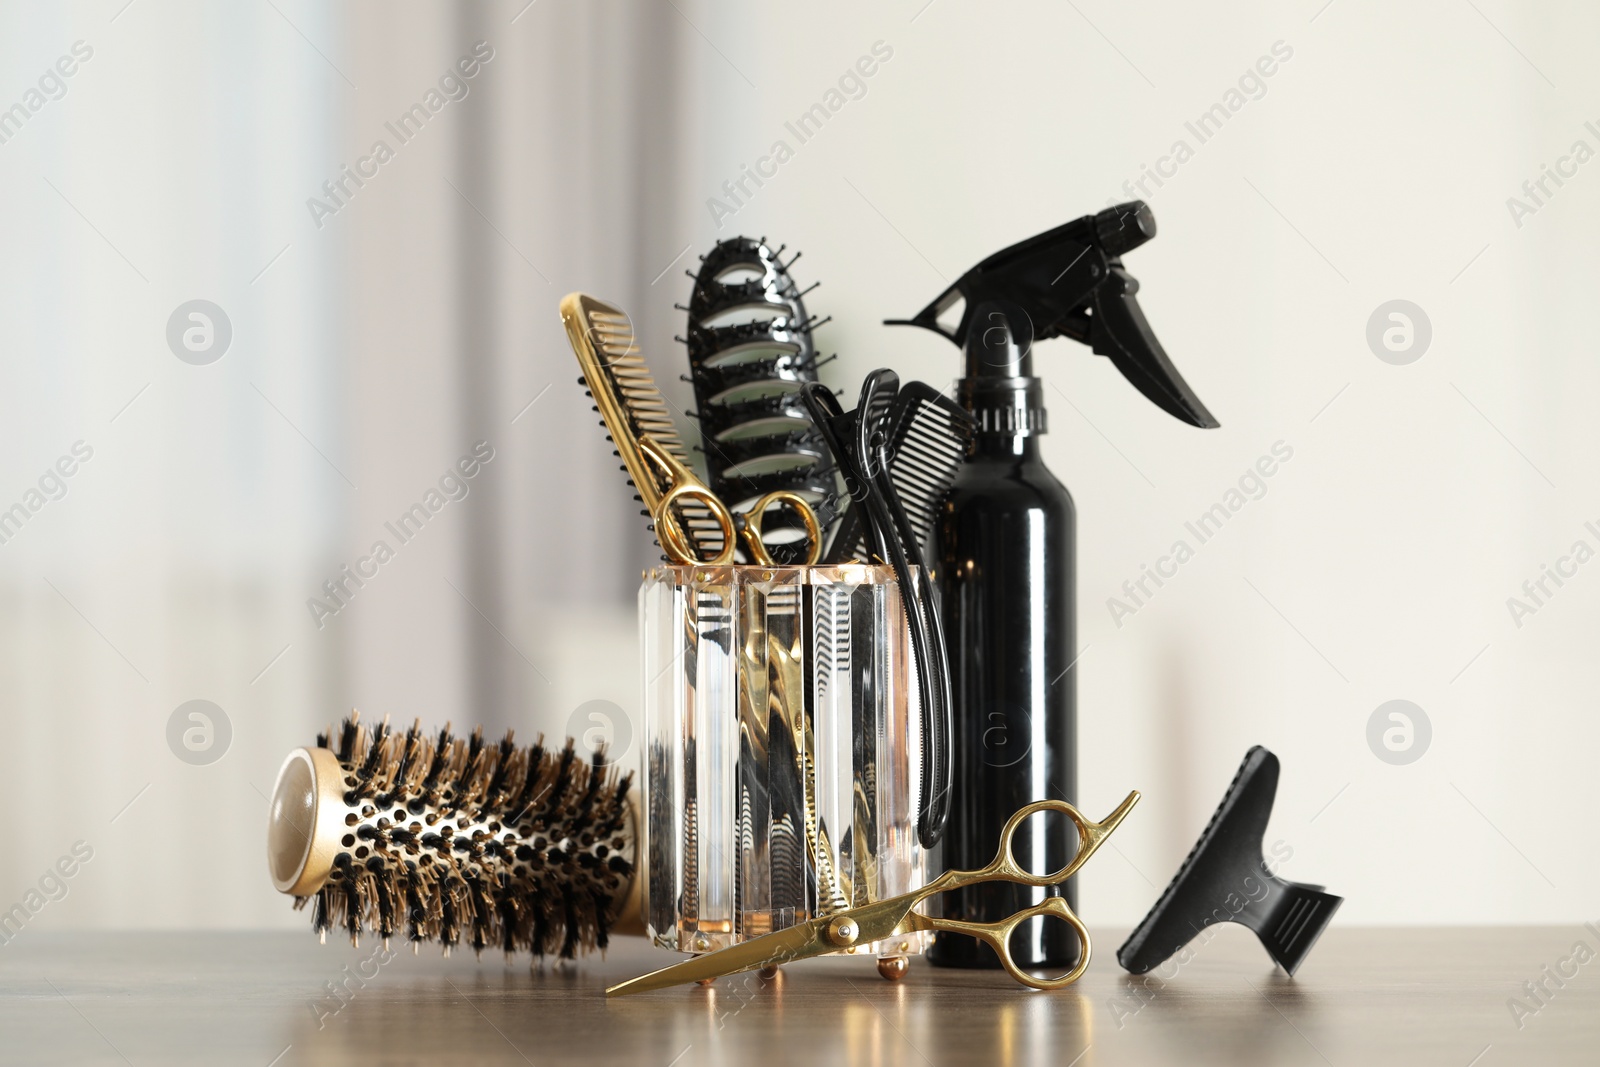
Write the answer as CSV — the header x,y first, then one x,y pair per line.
x,y
897,916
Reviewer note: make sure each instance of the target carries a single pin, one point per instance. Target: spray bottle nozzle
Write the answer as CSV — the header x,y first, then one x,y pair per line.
x,y
1124,227
1000,343
1069,282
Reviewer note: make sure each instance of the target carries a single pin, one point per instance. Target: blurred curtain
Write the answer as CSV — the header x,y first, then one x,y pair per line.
x,y
376,342
548,178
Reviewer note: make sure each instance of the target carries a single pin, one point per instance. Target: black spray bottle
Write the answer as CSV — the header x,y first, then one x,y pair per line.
x,y
1005,555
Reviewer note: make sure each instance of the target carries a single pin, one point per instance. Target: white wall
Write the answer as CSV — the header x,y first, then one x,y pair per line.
x,y
421,318
1390,141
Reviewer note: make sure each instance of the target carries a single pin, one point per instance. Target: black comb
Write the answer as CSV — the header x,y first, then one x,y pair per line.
x,y
858,441
1225,879
928,435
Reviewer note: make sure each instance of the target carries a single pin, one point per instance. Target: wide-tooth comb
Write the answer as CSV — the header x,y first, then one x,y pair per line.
x,y
631,406
454,840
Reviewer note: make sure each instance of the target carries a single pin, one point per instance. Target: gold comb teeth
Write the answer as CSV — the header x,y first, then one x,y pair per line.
x,y
631,407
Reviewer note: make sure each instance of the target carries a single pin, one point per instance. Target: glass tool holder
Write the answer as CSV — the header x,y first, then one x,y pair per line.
x,y
782,750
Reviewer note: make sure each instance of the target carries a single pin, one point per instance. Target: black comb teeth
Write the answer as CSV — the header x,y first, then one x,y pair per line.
x,y
442,841
750,350
927,438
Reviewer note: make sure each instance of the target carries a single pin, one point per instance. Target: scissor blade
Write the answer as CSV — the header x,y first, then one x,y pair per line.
x,y
798,942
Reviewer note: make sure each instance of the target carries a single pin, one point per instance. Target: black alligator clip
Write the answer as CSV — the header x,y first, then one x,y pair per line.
x,y
1226,880
1071,283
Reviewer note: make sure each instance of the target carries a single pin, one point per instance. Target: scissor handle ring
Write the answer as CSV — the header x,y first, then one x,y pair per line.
x,y
801,506
682,485
675,541
1006,865
998,937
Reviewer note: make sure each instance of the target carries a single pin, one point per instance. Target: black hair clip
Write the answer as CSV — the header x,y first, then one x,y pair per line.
x,y
1225,879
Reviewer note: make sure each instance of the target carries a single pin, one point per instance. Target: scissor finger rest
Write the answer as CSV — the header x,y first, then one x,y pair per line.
x,y
1092,834
1005,867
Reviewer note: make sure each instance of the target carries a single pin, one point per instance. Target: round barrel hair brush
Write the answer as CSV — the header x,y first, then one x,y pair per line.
x,y
455,840
750,351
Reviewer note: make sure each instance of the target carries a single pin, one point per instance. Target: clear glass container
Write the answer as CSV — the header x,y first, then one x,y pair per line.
x,y
782,749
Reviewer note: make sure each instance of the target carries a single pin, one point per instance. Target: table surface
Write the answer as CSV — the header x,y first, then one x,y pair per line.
x,y
1364,997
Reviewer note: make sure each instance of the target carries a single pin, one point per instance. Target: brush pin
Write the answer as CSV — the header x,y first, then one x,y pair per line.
x,y
451,839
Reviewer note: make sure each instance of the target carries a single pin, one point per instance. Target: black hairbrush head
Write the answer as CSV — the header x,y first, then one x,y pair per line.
x,y
750,351
453,840
1225,879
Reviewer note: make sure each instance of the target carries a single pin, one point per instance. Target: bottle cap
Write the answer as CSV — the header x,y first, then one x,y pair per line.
x,y
999,388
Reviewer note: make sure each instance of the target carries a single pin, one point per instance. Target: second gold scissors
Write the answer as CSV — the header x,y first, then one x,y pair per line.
x,y
685,489
898,916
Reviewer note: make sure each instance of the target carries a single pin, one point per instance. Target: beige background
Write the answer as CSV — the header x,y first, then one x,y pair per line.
x,y
370,353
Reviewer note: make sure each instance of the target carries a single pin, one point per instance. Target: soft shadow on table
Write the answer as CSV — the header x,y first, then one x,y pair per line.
x,y
1264,1018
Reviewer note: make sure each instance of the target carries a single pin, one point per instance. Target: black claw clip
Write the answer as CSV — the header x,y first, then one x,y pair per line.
x,y
1225,879
1071,283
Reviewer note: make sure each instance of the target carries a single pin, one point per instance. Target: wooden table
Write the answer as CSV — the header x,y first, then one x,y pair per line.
x,y
1364,997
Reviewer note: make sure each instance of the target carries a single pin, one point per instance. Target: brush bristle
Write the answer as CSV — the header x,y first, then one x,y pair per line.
x,y
454,841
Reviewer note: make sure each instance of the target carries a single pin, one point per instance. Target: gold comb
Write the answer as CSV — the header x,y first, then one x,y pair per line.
x,y
633,410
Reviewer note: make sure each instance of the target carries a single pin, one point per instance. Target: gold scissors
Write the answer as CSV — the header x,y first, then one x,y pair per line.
x,y
685,490
898,916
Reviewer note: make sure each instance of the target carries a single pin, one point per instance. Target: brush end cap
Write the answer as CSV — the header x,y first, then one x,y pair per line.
x,y
303,821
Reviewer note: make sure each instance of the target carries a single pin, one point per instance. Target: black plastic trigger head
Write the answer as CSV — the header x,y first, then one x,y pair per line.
x,y
1070,282
1119,330
1225,879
